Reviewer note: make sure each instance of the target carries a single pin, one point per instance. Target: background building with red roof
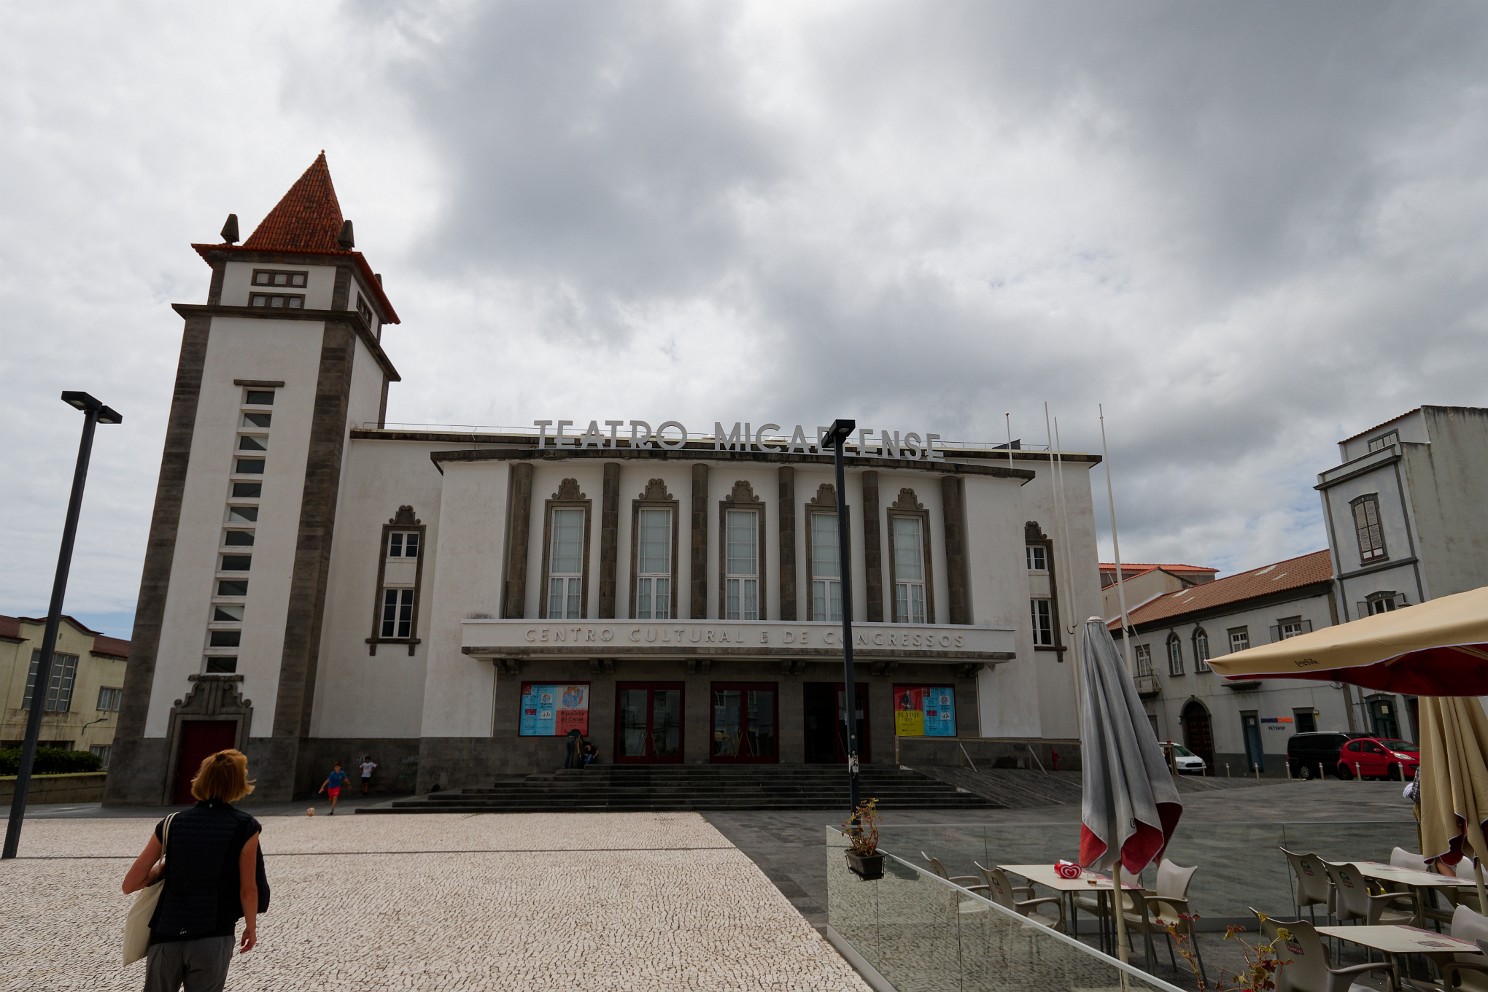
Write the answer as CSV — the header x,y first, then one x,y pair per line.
x,y
86,686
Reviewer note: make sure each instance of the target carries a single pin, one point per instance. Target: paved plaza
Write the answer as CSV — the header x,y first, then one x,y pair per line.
x,y
437,902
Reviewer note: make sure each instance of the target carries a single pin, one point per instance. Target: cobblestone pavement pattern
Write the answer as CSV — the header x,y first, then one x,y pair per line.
x,y
491,901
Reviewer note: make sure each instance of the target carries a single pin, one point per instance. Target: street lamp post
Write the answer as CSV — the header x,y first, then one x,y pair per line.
x,y
94,413
836,437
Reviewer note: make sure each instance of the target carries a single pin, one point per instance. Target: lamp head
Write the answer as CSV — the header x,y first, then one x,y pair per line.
x,y
840,431
79,400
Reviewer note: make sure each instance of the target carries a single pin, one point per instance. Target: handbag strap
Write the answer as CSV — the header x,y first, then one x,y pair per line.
x,y
165,833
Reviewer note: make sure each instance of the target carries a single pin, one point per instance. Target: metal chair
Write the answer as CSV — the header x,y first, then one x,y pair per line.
x,y
1307,967
1003,892
1312,885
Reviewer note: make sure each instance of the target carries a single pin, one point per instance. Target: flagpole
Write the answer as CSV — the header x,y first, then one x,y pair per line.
x,y
1116,546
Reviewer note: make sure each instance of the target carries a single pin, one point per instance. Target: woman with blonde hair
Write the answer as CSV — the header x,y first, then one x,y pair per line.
x,y
211,874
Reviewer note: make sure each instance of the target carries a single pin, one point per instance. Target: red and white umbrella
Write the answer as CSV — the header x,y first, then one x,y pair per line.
x,y
1129,805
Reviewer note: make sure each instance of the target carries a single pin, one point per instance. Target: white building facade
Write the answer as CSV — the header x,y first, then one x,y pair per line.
x,y
318,586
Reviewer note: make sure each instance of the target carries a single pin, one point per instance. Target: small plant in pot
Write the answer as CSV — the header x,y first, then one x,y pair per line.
x,y
861,831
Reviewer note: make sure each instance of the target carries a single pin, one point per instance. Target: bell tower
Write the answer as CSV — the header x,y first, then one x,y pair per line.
x,y
277,367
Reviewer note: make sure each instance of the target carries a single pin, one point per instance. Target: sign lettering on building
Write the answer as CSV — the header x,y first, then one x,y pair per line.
x,y
670,435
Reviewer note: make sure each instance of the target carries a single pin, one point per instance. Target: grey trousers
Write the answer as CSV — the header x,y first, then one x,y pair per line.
x,y
195,965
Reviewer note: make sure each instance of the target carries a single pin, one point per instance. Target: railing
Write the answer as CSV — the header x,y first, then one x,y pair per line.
x,y
1147,684
1240,864
919,931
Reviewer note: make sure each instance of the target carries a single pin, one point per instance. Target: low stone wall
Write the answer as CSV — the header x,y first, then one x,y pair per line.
x,y
79,787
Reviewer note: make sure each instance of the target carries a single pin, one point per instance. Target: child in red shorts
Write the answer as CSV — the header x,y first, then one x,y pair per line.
x,y
332,785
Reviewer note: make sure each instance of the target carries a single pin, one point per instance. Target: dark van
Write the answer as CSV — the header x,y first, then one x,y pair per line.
x,y
1305,752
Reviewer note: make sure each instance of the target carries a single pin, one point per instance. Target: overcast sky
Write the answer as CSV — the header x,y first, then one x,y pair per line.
x,y
1249,230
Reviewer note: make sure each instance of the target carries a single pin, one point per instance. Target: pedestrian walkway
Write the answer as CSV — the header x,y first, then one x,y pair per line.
x,y
440,902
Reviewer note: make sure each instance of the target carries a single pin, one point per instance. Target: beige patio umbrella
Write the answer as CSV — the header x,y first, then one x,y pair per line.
x,y
1439,648
1437,651
1454,781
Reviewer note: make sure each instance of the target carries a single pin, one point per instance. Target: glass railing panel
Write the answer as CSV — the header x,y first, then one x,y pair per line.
x,y
925,935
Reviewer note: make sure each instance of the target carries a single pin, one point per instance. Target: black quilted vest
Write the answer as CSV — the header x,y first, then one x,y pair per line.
x,y
201,898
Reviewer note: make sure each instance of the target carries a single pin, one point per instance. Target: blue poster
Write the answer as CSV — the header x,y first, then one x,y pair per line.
x,y
924,712
553,710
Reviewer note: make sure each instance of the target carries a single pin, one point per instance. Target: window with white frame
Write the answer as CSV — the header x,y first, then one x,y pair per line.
x,y
742,542
59,684
1144,659
1038,557
1041,617
399,577
1381,602
109,698
1290,627
653,557
567,542
1175,655
1368,528
826,566
1239,638
909,559
1201,650
1384,440
403,543
397,614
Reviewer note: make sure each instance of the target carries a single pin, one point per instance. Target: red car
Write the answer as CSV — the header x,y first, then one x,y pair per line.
x,y
1378,757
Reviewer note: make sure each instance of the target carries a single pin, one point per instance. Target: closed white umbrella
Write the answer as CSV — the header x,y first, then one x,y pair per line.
x,y
1129,804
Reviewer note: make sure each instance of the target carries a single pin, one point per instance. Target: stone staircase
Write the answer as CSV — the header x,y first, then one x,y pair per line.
x,y
651,788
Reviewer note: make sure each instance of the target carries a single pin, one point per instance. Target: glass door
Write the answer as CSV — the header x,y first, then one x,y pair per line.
x,y
744,722
649,722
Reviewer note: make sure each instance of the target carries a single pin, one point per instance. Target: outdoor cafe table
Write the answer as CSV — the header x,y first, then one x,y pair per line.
x,y
1415,877
1396,939
1088,881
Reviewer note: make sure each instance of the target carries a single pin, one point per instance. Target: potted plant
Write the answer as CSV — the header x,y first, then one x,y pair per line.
x,y
861,831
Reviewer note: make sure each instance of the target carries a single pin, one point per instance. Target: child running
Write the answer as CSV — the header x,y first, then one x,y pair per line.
x,y
332,785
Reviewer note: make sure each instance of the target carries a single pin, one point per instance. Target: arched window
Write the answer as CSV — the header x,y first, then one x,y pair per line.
x,y
1175,655
1201,650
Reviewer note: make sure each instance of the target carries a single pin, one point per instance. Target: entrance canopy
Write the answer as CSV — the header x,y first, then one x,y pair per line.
x,y
1439,648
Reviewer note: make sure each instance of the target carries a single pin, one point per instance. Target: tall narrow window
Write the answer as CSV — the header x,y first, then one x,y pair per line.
x,y
1041,614
1144,659
1175,655
826,567
909,559
653,563
741,564
1367,526
400,569
653,555
1201,650
565,553
741,580
565,564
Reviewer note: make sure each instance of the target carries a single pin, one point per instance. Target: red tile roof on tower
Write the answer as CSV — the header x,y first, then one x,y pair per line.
x,y
1294,573
307,218
307,221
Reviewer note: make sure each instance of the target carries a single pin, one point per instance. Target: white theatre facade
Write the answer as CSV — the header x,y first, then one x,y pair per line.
x,y
319,586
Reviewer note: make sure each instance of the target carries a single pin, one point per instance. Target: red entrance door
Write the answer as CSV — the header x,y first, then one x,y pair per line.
x,y
648,728
199,738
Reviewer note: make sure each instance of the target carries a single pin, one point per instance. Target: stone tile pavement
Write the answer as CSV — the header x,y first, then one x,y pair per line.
x,y
490,901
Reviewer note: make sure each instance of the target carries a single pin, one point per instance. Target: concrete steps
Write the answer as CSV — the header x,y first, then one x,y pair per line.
x,y
655,788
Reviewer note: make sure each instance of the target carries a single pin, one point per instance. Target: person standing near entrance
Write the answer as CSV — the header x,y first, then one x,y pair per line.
x,y
332,785
210,877
368,766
